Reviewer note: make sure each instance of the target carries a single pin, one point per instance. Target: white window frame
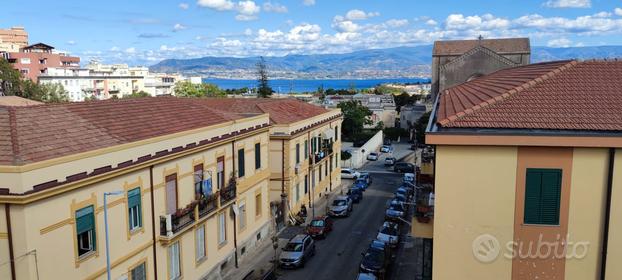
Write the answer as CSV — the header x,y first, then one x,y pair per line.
x,y
24,60
222,228
174,268
134,214
199,235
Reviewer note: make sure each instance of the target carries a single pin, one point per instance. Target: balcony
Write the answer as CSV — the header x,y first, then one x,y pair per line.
x,y
207,205
179,220
325,151
424,211
228,193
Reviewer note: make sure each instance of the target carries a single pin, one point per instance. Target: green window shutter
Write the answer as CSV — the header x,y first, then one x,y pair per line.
x,y
306,147
241,163
542,196
85,219
257,156
133,198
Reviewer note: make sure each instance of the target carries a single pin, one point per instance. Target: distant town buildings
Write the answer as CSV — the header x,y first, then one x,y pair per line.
x,y
381,106
410,114
34,60
455,62
13,39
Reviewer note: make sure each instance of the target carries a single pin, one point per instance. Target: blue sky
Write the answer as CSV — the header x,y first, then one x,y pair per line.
x,y
145,32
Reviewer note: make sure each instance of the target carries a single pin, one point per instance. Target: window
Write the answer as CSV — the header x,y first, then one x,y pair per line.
x,y
331,164
336,133
542,196
134,204
297,153
241,163
320,172
220,172
200,242
326,169
85,229
24,71
306,147
25,60
306,184
138,272
257,155
297,192
198,181
222,229
174,269
171,193
242,212
258,204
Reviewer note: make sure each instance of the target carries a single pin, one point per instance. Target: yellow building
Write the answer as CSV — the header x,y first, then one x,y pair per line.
x,y
182,167
528,176
304,149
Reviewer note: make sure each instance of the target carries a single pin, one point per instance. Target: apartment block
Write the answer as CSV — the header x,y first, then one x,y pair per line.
x,y
34,60
188,188
528,174
13,39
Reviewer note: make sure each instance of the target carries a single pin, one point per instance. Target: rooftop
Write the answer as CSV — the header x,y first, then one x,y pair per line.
x,y
559,95
35,133
501,46
17,101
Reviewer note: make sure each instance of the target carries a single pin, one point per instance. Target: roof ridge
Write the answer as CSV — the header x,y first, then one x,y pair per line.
x,y
476,49
508,93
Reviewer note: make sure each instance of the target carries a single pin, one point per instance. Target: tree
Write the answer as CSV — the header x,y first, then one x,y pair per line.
x,y
345,155
394,133
421,126
355,117
10,78
188,89
137,94
321,93
263,89
48,93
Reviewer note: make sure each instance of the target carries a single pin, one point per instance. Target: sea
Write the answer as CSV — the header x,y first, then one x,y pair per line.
x,y
285,86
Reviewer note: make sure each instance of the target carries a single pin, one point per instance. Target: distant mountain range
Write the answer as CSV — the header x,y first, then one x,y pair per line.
x,y
377,63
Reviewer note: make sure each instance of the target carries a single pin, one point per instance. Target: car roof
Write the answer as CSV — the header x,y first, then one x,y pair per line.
x,y
341,197
299,238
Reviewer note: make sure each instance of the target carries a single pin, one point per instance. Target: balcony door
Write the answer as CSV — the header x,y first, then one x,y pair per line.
x,y
171,194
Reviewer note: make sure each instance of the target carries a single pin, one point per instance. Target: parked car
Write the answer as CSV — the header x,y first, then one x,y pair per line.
x,y
404,167
320,226
373,156
407,192
395,211
386,141
388,251
264,273
341,207
366,276
347,173
409,177
390,161
374,261
355,194
366,176
413,147
389,233
297,251
361,183
400,198
386,149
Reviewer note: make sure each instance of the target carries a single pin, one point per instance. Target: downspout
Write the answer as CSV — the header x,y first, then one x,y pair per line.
x,y
7,211
308,182
283,194
235,234
605,242
153,224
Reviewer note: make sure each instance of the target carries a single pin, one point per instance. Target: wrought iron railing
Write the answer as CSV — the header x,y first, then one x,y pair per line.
x,y
179,220
208,205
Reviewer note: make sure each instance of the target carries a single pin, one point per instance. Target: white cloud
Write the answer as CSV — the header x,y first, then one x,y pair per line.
x,y
248,8
484,22
308,2
559,43
242,17
618,11
345,26
130,50
71,42
179,27
274,7
248,32
396,23
114,49
220,5
184,6
223,42
568,4
360,15
431,22
304,32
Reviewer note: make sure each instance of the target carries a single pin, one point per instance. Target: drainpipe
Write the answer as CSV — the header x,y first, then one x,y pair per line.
x,y
153,224
283,194
605,242
235,234
7,211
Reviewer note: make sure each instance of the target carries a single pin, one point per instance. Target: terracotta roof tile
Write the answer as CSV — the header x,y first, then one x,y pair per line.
x,y
282,111
562,95
501,46
35,133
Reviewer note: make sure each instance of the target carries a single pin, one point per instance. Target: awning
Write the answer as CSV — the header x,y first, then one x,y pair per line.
x,y
329,133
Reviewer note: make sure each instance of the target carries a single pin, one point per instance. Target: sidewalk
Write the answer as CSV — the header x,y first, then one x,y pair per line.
x,y
263,254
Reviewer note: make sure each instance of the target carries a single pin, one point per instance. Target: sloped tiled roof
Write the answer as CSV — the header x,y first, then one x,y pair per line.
x,y
17,101
561,95
281,111
35,133
501,46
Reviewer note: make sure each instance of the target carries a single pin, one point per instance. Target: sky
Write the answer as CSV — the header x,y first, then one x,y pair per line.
x,y
146,32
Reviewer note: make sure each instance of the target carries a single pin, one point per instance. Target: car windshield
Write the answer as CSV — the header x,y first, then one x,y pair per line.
x,y
359,181
317,223
374,255
339,202
293,247
395,207
389,231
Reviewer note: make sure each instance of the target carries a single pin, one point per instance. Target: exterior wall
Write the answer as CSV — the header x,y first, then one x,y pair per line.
x,y
5,269
12,39
614,255
47,226
474,65
35,68
466,191
359,155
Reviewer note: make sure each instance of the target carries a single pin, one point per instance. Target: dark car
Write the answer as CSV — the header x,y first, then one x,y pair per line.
x,y
396,211
404,191
388,251
374,261
320,226
400,197
361,184
366,176
404,167
356,194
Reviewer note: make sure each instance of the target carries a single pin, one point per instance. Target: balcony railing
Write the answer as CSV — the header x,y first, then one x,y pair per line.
x,y
208,205
228,193
325,151
179,220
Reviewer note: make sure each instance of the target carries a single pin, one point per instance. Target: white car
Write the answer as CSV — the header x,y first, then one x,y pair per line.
x,y
372,156
389,233
347,173
409,177
385,149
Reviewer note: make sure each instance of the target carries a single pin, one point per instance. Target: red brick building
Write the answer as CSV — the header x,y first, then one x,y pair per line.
x,y
35,59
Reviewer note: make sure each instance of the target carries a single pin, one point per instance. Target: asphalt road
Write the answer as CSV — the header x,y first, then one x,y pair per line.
x,y
339,255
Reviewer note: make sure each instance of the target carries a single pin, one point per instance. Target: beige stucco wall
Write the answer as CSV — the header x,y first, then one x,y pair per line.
x,y
475,189
614,269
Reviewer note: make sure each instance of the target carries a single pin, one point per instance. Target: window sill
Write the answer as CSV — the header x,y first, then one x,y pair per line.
x,y
200,261
223,244
86,257
539,225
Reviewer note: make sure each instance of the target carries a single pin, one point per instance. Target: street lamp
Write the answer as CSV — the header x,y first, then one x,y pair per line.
x,y
106,194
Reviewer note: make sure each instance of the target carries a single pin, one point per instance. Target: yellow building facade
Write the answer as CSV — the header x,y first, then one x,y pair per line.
x,y
192,183
523,188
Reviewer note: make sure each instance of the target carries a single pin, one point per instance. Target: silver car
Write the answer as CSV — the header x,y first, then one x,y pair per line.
x,y
297,251
389,233
341,207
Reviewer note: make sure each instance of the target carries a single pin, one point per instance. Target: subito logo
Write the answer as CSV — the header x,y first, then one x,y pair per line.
x,y
486,248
